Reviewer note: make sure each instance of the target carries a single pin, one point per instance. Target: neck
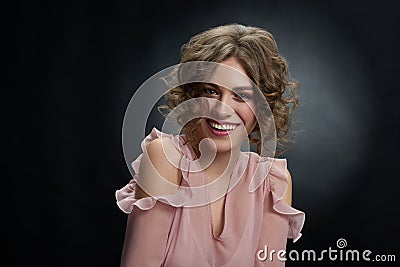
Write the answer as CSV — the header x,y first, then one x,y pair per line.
x,y
223,162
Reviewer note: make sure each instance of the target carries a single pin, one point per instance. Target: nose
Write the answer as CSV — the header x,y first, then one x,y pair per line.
x,y
223,109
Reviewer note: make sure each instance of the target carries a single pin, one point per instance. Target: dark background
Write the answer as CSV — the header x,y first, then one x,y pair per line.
x,y
72,68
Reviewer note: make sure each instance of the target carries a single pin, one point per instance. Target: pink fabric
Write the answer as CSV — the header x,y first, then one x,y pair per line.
x,y
164,232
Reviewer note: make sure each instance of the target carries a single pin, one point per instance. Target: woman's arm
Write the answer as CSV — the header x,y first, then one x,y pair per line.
x,y
287,197
158,171
147,230
146,236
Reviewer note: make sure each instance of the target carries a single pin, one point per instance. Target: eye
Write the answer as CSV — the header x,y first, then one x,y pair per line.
x,y
243,96
210,91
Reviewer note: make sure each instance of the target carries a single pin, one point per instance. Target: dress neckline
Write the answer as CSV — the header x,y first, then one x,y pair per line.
x,y
233,180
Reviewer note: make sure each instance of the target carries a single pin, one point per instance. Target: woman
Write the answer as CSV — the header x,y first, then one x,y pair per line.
x,y
243,209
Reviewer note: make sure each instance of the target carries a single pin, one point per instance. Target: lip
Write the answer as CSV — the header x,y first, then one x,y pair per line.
x,y
218,133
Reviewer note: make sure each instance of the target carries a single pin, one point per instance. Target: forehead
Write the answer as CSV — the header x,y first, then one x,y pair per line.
x,y
230,74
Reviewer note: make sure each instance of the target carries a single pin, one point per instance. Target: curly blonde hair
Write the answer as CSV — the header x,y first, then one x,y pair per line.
x,y
257,51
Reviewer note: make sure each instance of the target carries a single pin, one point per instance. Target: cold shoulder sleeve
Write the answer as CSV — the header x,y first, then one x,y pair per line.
x,y
278,182
126,196
280,220
149,220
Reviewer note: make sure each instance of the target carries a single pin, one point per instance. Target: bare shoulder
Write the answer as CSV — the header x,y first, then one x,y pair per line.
x,y
288,193
163,150
159,172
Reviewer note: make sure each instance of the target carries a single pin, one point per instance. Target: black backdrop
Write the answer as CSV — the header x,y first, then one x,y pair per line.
x,y
71,69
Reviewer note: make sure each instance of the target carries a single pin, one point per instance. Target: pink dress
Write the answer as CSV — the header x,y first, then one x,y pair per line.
x,y
164,232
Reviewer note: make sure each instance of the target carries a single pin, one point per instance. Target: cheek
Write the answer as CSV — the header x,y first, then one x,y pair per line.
x,y
247,116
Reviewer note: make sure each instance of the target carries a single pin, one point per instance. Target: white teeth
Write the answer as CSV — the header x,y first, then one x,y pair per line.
x,y
222,127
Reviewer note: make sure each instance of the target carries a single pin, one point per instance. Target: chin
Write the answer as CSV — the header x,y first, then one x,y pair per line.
x,y
223,144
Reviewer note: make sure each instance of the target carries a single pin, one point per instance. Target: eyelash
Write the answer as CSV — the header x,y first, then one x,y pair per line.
x,y
207,90
245,96
240,96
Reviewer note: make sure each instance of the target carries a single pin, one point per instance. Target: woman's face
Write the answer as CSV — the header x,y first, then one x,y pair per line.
x,y
231,109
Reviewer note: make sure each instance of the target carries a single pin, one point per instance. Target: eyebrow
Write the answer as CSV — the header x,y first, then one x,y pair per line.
x,y
234,89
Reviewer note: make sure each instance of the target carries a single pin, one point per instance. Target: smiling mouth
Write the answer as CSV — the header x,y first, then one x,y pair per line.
x,y
221,127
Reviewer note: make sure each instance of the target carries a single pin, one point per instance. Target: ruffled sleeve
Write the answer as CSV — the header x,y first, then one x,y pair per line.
x,y
276,187
149,221
126,195
126,200
280,221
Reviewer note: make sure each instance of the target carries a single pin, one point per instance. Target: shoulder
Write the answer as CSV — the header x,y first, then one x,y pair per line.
x,y
163,149
287,197
159,172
